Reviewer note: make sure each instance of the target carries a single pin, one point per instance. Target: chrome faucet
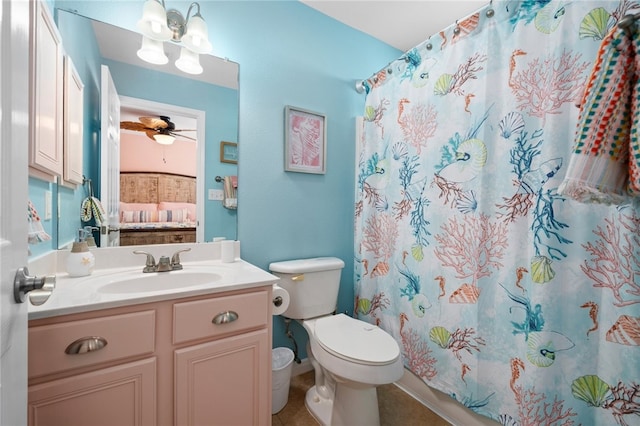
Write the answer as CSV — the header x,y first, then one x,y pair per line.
x,y
150,265
175,259
164,264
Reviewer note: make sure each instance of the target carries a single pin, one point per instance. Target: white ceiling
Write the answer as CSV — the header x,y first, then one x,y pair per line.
x,y
401,24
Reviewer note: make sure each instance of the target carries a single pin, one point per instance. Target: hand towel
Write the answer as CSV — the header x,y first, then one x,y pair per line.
x,y
600,168
36,234
230,193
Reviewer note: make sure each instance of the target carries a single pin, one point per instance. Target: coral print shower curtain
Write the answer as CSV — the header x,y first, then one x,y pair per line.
x,y
520,303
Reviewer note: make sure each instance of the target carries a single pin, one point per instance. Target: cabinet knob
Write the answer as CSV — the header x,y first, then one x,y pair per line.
x,y
225,317
85,345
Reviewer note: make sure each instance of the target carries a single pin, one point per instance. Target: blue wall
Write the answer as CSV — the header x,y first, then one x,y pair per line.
x,y
289,54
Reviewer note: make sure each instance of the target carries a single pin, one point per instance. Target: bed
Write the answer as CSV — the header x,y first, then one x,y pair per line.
x,y
157,208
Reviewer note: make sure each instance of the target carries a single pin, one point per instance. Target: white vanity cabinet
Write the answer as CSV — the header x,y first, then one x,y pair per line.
x,y
46,109
202,360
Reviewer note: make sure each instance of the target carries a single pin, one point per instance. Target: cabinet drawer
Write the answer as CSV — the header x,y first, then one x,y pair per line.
x,y
194,320
126,335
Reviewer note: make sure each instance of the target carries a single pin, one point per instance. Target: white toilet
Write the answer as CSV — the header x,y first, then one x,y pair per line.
x,y
350,357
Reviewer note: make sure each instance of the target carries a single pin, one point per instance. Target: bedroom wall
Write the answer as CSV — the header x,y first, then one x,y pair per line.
x,y
138,153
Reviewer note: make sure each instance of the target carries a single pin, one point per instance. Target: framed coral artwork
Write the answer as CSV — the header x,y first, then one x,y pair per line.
x,y
305,147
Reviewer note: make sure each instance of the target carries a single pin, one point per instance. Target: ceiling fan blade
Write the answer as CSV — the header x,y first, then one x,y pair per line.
x,y
150,133
133,125
154,122
178,135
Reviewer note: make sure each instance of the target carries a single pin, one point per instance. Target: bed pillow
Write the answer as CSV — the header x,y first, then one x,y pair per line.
x,y
138,216
191,208
145,216
149,207
175,215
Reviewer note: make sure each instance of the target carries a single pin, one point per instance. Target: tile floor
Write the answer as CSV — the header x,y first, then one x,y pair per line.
x,y
396,407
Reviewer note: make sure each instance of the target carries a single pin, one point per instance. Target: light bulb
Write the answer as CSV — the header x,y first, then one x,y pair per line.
x,y
153,23
164,139
196,38
152,51
189,62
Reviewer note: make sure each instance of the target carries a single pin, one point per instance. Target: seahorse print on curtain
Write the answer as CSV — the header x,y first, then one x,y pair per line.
x,y
519,303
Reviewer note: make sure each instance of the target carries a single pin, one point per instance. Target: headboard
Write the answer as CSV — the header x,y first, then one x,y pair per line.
x,y
143,187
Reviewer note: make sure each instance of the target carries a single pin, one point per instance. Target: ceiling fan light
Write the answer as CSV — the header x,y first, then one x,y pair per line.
x,y
196,37
153,23
164,139
189,62
152,51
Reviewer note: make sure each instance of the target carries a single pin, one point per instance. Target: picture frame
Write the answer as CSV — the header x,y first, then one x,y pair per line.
x,y
305,147
229,152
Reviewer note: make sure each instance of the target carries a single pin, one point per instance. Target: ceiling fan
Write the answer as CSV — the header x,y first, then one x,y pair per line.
x,y
159,128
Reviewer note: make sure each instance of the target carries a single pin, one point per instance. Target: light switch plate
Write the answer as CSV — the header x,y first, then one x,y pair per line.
x,y
216,194
47,205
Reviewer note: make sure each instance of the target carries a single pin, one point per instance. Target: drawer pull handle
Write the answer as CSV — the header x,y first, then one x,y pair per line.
x,y
86,345
225,317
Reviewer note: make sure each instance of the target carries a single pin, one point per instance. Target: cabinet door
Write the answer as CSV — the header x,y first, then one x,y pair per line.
x,y
45,148
123,395
224,382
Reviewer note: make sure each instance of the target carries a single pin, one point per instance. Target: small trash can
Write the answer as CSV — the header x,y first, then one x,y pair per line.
x,y
281,365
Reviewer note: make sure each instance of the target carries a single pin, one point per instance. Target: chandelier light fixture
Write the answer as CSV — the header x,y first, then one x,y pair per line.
x,y
159,25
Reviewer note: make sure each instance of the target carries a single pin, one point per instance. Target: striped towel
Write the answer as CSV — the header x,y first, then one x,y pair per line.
x,y
605,162
36,234
230,192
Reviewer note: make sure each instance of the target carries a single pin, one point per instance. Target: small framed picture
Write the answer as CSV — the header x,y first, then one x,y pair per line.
x,y
229,152
305,147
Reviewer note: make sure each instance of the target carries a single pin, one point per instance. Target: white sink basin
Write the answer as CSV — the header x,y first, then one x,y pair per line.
x,y
157,281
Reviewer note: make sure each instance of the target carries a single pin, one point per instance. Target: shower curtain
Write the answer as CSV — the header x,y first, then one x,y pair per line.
x,y
520,303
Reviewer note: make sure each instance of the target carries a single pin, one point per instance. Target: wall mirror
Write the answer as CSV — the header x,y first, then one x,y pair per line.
x,y
154,91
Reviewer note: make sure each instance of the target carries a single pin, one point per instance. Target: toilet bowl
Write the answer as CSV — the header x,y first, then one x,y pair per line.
x,y
350,357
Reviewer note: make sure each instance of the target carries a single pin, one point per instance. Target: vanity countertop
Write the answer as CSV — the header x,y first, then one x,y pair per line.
x,y
105,288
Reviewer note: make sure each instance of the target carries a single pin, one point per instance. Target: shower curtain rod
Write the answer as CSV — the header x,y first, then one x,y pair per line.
x,y
360,84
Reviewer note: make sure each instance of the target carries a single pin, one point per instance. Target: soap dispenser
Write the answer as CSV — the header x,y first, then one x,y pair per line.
x,y
80,261
88,232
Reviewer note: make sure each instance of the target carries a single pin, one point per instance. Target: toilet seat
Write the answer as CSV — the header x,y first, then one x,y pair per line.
x,y
355,340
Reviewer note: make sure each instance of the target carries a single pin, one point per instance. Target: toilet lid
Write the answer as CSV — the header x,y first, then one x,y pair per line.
x,y
356,340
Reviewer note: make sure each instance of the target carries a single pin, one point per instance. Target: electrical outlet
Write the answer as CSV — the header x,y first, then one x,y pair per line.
x,y
216,194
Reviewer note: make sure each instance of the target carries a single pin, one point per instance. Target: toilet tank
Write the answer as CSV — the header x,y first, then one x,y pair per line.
x,y
312,285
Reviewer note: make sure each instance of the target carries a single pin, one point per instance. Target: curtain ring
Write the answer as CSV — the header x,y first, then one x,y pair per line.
x,y
456,30
490,12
